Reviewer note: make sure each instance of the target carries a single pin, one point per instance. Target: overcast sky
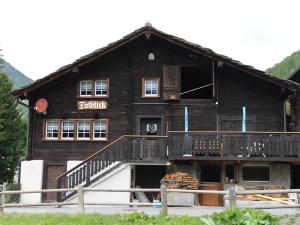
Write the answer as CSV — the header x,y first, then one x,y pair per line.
x,y
38,37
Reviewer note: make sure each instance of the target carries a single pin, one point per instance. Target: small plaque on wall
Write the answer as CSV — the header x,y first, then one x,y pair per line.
x,y
82,105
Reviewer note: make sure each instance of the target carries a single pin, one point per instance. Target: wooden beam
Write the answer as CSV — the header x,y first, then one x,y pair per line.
x,y
275,199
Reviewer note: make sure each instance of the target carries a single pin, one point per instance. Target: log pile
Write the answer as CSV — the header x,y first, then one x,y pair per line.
x,y
180,181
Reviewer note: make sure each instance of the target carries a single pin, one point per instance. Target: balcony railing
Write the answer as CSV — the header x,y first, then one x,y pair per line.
x,y
213,145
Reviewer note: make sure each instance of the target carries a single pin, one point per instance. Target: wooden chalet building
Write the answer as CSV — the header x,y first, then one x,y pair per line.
x,y
118,117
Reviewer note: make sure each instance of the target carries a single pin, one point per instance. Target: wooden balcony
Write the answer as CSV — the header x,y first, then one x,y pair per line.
x,y
212,145
177,145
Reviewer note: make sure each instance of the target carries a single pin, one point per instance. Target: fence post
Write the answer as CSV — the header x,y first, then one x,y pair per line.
x,y
1,207
164,204
2,200
80,196
232,197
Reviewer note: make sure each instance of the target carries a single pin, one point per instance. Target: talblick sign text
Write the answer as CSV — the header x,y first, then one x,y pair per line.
x,y
81,105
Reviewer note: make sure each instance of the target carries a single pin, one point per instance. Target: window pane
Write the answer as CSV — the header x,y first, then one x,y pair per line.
x,y
151,87
52,129
67,129
101,87
100,129
86,88
256,173
83,130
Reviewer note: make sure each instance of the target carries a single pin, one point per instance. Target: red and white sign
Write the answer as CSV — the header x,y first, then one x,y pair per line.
x,y
82,105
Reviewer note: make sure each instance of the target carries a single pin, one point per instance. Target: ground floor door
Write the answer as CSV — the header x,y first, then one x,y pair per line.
x,y
149,176
150,148
211,179
52,172
295,176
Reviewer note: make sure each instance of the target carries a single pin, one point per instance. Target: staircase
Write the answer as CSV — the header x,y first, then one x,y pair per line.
x,y
127,148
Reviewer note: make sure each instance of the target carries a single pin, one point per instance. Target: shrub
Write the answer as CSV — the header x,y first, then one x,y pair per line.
x,y
235,216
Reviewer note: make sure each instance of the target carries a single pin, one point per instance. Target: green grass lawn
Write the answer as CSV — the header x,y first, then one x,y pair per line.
x,y
91,219
231,216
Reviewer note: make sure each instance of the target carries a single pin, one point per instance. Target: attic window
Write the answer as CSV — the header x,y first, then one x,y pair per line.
x,y
196,83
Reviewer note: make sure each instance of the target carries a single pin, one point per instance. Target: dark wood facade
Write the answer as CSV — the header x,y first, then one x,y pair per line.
x,y
125,68
179,67
295,104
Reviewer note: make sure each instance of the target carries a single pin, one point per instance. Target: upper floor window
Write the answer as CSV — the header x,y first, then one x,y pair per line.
x,y
83,129
101,87
86,87
100,129
52,129
67,129
150,87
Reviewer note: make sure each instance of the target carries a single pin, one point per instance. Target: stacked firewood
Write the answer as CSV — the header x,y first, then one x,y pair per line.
x,y
180,181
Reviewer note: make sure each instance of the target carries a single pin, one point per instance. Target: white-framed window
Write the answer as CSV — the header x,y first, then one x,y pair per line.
x,y
52,130
83,129
151,87
100,130
86,88
101,88
256,173
68,128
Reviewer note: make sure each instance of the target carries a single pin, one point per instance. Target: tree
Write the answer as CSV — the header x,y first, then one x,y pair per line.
x,y
12,131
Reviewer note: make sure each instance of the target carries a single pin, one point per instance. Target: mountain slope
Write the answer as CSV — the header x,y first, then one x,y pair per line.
x,y
286,67
18,78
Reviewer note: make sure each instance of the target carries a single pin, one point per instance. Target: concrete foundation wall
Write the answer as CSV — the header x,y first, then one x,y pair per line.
x,y
71,164
117,178
31,179
280,174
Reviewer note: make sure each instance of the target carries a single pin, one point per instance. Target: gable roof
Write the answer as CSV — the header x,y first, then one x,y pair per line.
x,y
295,75
290,85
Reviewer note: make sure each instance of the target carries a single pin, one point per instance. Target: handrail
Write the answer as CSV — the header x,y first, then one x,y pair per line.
x,y
90,157
106,147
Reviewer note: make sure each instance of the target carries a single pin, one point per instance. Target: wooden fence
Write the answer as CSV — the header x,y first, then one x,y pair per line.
x,y
231,194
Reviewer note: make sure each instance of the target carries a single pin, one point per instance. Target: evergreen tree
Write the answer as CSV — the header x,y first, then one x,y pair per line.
x,y
12,131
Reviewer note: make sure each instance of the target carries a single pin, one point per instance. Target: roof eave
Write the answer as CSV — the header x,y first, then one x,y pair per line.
x,y
178,41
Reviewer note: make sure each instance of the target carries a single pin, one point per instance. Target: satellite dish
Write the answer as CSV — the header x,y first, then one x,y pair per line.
x,y
41,105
